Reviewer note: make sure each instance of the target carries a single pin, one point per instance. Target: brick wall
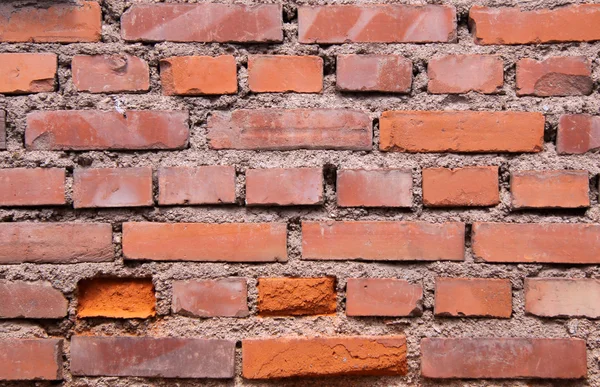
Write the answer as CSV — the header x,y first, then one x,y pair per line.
x,y
382,194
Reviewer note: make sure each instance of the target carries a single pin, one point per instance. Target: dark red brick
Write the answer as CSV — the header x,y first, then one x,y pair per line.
x,y
31,300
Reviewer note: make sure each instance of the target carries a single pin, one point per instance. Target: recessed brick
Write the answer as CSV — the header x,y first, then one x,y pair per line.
x,y
31,300
112,187
2,129
284,186
456,74
556,76
384,73
578,133
32,186
473,297
27,73
281,73
31,359
227,297
199,75
374,188
383,297
469,187
549,189
116,73
296,296
196,185
562,297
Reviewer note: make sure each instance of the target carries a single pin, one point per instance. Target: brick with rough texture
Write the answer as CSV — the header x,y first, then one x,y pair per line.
x,y
383,297
116,298
158,357
198,75
578,133
27,73
196,185
323,356
469,186
555,76
549,189
296,296
384,73
31,300
374,188
31,359
115,73
562,297
473,297
503,358
32,186
112,187
2,129
281,73
226,297
455,74
284,186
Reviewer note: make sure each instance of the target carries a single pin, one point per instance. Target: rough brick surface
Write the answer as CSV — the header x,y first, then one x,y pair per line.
x,y
556,76
284,187
31,359
27,73
110,73
550,189
374,188
562,297
116,298
470,186
385,73
112,187
198,75
383,297
280,73
473,297
578,133
32,186
225,297
196,185
31,300
296,296
455,74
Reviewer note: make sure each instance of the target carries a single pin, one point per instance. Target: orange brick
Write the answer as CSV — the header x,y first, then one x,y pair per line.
x,y
296,296
473,297
385,73
37,300
284,187
196,185
226,297
31,359
383,297
577,133
374,188
198,75
27,73
557,76
32,186
110,73
549,189
280,73
469,186
112,187
455,74
562,297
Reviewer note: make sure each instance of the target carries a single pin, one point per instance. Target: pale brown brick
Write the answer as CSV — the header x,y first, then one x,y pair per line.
x,y
199,75
226,297
384,73
578,133
196,185
284,186
383,297
455,74
281,73
116,298
374,188
469,186
31,359
556,76
473,297
116,73
550,189
562,297
32,186
31,300
296,296
27,73
112,187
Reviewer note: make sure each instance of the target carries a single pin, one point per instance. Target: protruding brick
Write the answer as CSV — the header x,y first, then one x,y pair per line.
x,y
116,298
473,297
27,73
578,133
569,243
384,73
503,358
31,359
207,22
284,186
469,186
112,187
281,73
377,24
383,241
99,130
278,129
550,189
157,357
225,242
116,73
562,297
196,185
199,75
296,296
556,76
461,131
374,188
31,300
383,297
455,74
55,242
32,186
2,129
574,23
63,23
227,297
324,356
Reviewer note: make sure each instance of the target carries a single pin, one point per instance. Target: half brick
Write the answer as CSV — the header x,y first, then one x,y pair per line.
x,y
455,74
383,73
32,186
549,189
296,296
469,187
31,300
31,359
383,297
374,188
112,187
199,75
27,73
473,297
196,185
557,76
116,73
227,297
578,133
562,297
284,186
281,73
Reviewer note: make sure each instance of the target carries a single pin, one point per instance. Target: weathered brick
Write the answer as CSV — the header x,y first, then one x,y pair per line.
x,y
32,186
383,241
503,358
556,76
578,133
63,23
225,242
208,22
543,242
562,297
227,297
112,187
278,129
31,359
55,242
455,74
461,131
324,356
199,75
196,185
116,73
574,23
374,188
377,23
473,297
296,296
99,130
281,73
27,73
385,73
159,357
284,186
469,186
2,129
383,297
549,189
31,300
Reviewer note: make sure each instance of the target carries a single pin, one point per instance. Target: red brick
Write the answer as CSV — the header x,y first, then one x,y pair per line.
x,y
549,189
562,297
63,23
543,242
31,359
199,75
226,242
196,185
374,188
461,131
112,187
455,74
208,22
279,129
99,130
281,73
469,186
55,242
284,187
31,300
383,297
32,186
157,357
473,297
323,356
27,73
575,23
383,241
2,130
503,358
227,297
578,133
296,296
110,73
376,23
557,76
385,73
